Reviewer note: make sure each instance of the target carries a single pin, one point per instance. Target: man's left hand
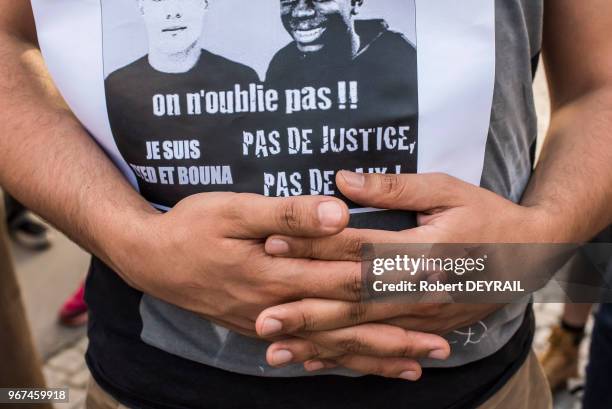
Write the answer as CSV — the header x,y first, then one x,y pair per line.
x,y
449,211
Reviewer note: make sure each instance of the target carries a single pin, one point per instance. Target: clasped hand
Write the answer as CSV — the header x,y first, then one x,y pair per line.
x,y
375,337
288,269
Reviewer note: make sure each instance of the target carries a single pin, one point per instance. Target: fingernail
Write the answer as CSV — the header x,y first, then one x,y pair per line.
x,y
271,326
438,354
277,246
280,357
313,365
356,180
330,214
409,375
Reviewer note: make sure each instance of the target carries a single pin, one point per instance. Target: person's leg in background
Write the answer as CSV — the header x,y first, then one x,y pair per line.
x,y
23,228
528,388
597,393
20,363
560,359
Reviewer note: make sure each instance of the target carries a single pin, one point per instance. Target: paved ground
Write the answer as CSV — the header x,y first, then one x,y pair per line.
x,y
67,369
49,277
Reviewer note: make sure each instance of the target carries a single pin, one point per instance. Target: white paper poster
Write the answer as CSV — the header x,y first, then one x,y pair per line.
x,y
400,105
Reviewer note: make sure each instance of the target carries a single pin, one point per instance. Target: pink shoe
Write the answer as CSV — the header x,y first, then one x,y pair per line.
x,y
74,311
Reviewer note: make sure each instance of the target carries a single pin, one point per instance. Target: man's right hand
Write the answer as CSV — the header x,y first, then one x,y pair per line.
x,y
207,255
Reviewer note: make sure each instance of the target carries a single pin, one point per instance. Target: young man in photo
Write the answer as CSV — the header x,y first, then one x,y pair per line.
x,y
332,46
175,65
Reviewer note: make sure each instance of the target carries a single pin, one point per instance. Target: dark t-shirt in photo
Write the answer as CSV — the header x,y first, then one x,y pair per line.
x,y
133,95
384,76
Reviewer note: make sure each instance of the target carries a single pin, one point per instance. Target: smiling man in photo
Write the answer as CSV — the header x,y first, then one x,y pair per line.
x,y
330,30
319,24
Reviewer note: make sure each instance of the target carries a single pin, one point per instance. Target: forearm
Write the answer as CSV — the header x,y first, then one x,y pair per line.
x,y
51,164
572,183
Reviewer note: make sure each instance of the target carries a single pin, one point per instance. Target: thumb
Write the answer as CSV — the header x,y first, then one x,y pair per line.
x,y
416,192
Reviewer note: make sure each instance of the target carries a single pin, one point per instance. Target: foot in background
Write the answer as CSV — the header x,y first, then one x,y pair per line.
x,y
560,359
74,311
28,232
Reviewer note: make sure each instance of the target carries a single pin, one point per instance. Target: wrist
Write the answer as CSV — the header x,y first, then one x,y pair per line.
x,y
129,240
544,224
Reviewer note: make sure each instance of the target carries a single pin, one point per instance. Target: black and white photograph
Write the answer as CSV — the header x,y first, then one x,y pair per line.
x,y
201,99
